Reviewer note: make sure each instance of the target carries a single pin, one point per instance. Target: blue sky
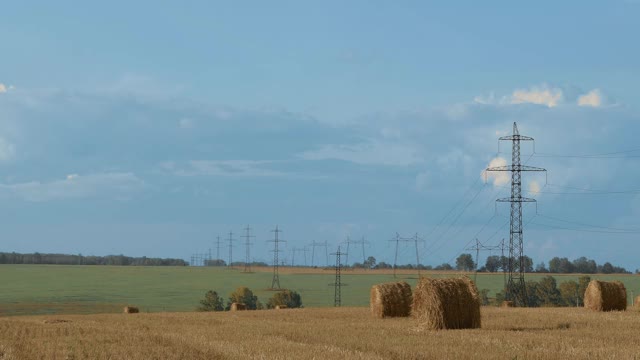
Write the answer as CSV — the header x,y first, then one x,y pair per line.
x,y
151,128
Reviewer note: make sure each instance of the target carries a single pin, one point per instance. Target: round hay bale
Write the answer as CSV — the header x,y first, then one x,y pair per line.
x,y
507,304
280,307
131,310
446,304
605,296
238,307
391,300
636,301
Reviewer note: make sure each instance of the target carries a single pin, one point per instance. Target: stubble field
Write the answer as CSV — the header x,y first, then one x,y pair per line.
x,y
329,333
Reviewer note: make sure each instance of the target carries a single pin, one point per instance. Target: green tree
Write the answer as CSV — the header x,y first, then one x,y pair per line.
x,y
547,292
370,263
211,302
244,295
465,262
286,297
569,291
484,296
493,263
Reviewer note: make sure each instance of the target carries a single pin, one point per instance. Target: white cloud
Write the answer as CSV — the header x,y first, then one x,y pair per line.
x,y
534,187
540,95
76,186
593,98
499,177
241,168
3,88
537,95
370,153
7,150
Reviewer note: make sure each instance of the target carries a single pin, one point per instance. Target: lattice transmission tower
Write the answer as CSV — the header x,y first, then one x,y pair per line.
x,y
337,293
247,243
275,281
516,290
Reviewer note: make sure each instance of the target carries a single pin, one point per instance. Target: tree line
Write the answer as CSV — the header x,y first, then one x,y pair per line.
x,y
557,265
546,292
243,295
67,259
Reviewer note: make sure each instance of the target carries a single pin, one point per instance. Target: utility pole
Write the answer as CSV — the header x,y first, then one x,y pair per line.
x,y
337,294
293,255
218,248
275,281
313,250
348,242
516,287
477,249
397,240
231,240
247,243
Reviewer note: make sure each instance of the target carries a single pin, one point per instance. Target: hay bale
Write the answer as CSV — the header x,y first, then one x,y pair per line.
x,y
131,310
280,307
507,304
446,304
238,307
605,296
391,300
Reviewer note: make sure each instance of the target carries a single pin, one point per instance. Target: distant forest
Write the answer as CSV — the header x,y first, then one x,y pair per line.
x,y
66,259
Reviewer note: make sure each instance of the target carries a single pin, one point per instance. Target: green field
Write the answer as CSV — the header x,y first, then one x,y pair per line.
x,y
42,289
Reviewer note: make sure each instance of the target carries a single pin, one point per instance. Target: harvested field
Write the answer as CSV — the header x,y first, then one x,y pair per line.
x,y
337,333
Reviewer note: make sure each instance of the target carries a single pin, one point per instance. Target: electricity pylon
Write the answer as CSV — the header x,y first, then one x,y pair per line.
x,y
516,286
275,281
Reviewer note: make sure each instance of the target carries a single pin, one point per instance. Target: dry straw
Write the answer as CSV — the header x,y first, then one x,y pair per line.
x,y
636,302
605,296
238,307
507,304
280,307
391,300
131,310
446,304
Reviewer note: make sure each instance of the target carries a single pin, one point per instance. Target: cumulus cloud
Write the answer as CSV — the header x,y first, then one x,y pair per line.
x,y
499,178
534,187
593,98
543,95
186,123
75,186
3,88
370,153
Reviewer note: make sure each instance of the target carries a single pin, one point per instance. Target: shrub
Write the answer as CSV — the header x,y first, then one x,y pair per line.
x,y
286,297
211,302
244,295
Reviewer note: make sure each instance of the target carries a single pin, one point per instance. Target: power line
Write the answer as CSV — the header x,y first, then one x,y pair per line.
x,y
590,225
593,156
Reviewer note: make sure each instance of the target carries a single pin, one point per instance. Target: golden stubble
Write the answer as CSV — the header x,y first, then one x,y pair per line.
x,y
329,333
